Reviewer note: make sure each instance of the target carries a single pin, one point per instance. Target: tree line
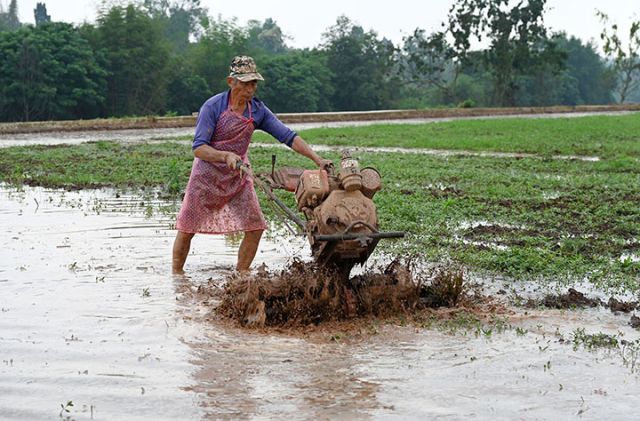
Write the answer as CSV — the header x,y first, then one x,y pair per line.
x,y
157,57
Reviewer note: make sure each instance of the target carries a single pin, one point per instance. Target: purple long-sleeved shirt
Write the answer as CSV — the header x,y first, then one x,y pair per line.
x,y
263,119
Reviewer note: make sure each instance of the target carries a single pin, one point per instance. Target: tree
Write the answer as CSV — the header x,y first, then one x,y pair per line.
x,y
9,21
211,55
362,67
48,72
136,59
186,91
626,60
266,37
40,14
180,19
518,40
298,81
594,80
634,96
429,61
3,20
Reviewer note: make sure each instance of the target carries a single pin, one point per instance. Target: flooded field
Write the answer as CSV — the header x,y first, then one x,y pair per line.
x,y
93,326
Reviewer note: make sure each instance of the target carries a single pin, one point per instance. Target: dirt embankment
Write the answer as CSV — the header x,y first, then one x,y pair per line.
x,y
152,122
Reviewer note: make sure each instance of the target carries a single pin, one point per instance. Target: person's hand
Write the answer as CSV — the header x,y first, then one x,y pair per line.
x,y
231,159
325,164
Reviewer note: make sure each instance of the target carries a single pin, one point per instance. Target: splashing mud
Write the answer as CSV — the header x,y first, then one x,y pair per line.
x,y
304,294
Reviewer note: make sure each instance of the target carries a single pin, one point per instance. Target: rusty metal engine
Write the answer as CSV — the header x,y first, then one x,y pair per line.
x,y
341,221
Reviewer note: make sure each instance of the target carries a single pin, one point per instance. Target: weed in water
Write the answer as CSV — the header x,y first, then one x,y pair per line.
x,y
66,407
593,341
148,210
173,174
462,321
500,323
486,331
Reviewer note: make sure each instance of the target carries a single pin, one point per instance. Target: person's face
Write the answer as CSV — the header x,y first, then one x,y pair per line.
x,y
242,90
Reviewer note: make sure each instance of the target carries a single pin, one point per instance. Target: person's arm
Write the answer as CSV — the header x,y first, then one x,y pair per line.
x,y
268,122
208,153
301,147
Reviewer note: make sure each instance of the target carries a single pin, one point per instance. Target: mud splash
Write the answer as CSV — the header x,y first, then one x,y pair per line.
x,y
304,294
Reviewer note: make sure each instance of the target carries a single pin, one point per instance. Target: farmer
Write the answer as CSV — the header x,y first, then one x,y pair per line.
x,y
218,199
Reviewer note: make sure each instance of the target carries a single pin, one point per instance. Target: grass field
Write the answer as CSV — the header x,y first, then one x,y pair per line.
x,y
525,217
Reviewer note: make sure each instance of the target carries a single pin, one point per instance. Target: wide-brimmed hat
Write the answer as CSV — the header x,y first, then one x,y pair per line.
x,y
244,69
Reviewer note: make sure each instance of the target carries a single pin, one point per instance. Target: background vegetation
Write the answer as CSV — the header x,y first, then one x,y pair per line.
x,y
168,56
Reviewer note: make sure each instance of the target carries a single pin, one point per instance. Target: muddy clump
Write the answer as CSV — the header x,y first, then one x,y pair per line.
x,y
576,299
622,306
572,299
304,294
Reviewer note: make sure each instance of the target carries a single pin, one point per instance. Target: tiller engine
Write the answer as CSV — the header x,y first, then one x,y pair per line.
x,y
341,222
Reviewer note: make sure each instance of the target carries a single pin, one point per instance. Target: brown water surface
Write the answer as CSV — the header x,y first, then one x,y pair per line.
x,y
90,314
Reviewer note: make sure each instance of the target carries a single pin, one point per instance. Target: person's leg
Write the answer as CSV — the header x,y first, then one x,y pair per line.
x,y
181,247
248,249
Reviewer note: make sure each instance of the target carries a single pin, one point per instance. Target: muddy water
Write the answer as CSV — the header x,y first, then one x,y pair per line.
x,y
89,314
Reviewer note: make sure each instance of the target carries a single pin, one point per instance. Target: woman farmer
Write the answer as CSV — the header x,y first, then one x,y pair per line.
x,y
217,199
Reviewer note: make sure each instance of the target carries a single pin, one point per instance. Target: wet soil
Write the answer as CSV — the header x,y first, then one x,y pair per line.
x,y
622,306
302,294
90,314
574,299
571,299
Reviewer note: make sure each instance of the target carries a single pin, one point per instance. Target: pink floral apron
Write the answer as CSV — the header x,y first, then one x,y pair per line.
x,y
218,200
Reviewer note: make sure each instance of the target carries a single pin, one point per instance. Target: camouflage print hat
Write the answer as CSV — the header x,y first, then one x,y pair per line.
x,y
244,69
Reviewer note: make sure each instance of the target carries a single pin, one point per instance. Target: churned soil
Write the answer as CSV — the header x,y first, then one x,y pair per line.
x,y
576,299
304,294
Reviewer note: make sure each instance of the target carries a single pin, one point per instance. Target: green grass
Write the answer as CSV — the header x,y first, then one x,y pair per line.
x,y
539,218
98,164
603,136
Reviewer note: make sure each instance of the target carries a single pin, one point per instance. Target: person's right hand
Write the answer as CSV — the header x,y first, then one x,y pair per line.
x,y
327,165
231,159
